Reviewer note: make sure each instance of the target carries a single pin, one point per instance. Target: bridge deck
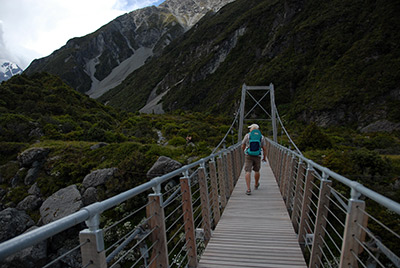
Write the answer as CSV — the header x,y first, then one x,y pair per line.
x,y
255,230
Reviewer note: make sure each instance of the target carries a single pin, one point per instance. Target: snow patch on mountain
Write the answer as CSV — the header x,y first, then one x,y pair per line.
x,y
8,69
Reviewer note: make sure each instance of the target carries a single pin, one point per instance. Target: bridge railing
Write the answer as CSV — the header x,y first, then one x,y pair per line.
x,y
162,224
339,222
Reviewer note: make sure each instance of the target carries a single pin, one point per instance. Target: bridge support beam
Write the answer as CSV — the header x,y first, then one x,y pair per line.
x,y
355,218
214,192
273,113
205,205
226,175
291,184
187,208
305,206
231,173
296,200
222,181
155,211
320,223
92,250
270,89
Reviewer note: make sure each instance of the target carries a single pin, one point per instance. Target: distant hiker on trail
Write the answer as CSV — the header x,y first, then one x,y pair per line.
x,y
252,144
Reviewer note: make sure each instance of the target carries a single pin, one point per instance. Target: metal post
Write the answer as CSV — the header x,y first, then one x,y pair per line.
x,y
273,112
205,205
155,211
352,231
187,208
92,239
240,134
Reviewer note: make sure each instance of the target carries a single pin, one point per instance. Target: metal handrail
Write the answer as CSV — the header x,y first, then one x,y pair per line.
x,y
312,221
33,237
357,188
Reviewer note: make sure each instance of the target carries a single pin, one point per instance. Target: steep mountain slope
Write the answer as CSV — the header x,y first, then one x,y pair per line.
x,y
8,69
101,60
333,62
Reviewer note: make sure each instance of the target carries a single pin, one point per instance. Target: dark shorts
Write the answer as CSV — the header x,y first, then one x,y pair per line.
x,y
252,162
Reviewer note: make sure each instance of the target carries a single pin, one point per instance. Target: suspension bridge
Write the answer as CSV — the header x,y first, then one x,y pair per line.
x,y
302,215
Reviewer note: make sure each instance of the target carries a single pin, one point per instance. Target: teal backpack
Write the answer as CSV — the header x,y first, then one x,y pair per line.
x,y
255,142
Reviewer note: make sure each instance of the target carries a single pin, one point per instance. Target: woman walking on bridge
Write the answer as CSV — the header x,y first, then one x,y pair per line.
x,y
252,144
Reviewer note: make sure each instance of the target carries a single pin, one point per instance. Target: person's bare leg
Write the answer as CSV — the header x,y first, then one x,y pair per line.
x,y
256,178
248,178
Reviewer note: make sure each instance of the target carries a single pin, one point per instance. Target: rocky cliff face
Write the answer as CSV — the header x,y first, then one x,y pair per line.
x,y
328,62
100,61
188,13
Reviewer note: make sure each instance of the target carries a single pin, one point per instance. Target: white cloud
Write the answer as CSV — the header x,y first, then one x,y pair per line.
x,y
32,29
135,4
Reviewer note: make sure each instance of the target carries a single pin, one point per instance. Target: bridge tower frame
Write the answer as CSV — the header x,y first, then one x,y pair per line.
x,y
271,91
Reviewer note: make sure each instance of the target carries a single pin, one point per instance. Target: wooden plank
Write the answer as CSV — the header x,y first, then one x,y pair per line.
x,y
255,230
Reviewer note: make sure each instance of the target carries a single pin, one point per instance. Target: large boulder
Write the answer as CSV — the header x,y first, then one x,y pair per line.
x,y
33,256
98,177
13,222
90,196
162,166
381,126
62,203
32,173
31,202
98,145
2,193
34,190
29,156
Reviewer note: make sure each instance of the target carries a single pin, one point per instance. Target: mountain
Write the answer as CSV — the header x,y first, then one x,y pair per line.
x,y
8,69
99,61
333,62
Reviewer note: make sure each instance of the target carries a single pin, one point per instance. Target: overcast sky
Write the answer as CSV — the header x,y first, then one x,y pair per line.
x,y
32,29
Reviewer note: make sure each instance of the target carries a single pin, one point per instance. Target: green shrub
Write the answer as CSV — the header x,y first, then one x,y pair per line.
x,y
17,194
370,166
313,138
177,141
96,133
10,150
8,171
170,129
15,127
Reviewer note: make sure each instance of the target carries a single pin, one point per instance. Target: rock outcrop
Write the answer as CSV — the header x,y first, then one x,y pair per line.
x,y
13,222
28,157
162,166
30,203
33,256
60,204
98,177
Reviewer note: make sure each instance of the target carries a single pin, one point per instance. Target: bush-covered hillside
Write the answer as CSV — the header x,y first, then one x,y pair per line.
x,y
40,111
333,62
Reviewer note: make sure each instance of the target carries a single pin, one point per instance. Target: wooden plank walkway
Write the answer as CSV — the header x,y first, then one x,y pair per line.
x,y
255,230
